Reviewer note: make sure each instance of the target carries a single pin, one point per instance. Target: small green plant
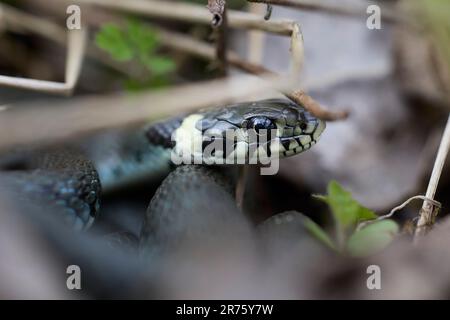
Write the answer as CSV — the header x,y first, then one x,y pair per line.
x,y
347,214
139,43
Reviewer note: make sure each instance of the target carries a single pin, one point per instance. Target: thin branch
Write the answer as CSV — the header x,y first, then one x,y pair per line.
x,y
76,46
428,211
397,208
217,9
76,40
51,122
19,21
256,39
297,50
241,185
200,49
389,14
193,13
173,40
206,51
315,108
221,42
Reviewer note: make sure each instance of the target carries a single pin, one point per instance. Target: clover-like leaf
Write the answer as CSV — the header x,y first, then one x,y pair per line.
x,y
111,39
141,37
346,210
372,238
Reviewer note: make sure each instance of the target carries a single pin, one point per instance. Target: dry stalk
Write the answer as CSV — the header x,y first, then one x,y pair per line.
x,y
315,108
217,9
25,22
51,122
18,21
221,40
76,41
429,211
389,14
193,13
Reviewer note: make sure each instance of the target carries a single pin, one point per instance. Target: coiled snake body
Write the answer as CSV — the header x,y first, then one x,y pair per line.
x,y
69,182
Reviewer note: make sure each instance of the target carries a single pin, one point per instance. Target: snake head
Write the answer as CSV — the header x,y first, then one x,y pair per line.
x,y
289,127
276,127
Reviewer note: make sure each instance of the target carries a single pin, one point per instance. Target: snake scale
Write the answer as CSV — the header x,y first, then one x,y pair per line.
x,y
70,180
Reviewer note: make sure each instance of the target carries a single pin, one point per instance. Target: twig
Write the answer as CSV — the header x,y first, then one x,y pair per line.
x,y
193,13
170,39
19,21
389,14
428,211
241,185
206,51
221,41
75,52
315,108
51,122
268,14
217,9
394,210
256,40
297,50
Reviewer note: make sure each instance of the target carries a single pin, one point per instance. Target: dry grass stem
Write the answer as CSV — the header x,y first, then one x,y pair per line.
x,y
46,123
241,185
75,52
18,21
389,13
315,108
429,211
194,14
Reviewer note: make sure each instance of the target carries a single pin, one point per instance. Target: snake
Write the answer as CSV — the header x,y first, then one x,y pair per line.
x,y
70,181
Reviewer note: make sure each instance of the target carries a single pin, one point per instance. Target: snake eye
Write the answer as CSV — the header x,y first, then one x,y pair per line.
x,y
259,123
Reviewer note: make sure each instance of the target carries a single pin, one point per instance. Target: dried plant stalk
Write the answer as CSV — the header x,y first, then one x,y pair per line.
x,y
429,211
75,52
315,108
46,123
217,9
193,13
19,21
390,14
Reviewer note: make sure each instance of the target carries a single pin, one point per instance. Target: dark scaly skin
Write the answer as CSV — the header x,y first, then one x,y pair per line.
x,y
193,204
57,181
123,158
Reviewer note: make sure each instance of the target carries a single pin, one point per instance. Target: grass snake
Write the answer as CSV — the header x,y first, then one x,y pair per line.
x,y
71,180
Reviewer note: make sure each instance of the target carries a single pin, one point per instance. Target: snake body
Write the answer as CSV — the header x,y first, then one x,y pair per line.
x,y
60,180
72,182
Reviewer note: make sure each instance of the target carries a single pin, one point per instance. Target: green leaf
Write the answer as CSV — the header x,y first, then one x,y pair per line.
x,y
318,233
160,65
111,39
372,238
346,210
143,38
